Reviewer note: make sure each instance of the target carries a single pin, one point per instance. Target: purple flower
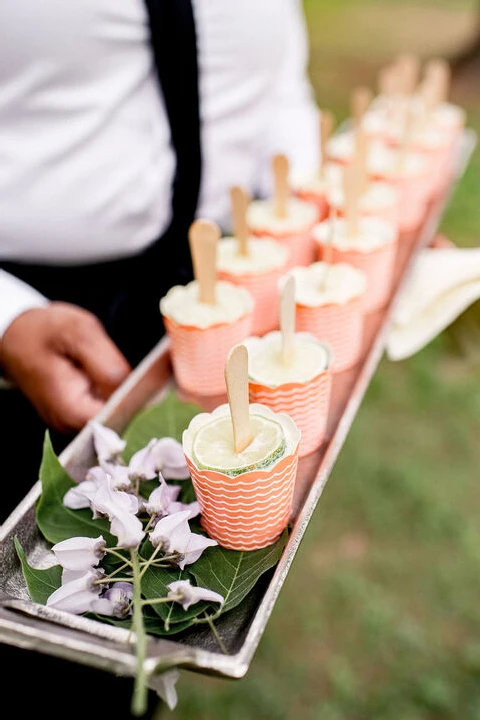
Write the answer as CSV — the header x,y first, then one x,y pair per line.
x,y
172,533
120,508
116,601
165,455
163,501
78,595
164,686
108,445
183,592
80,553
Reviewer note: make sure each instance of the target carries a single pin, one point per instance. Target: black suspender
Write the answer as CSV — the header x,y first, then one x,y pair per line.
x,y
174,44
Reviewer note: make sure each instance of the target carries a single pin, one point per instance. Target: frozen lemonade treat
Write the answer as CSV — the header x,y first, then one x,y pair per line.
x,y
245,497
329,300
300,387
371,248
409,173
379,199
285,218
258,271
293,231
202,333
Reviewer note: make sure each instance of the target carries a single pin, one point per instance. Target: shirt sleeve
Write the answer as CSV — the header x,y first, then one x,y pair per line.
x,y
15,298
295,126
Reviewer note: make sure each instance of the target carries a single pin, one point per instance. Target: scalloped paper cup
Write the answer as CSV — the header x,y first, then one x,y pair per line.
x,y
308,403
340,325
301,246
319,199
199,354
264,289
378,264
414,194
248,511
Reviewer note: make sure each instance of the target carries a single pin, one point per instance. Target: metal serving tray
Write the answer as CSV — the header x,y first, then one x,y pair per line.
x,y
35,627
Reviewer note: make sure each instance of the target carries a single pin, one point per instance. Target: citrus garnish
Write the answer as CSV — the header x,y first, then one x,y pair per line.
x,y
213,446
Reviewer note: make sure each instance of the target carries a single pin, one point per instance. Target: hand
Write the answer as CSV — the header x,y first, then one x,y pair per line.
x,y
64,362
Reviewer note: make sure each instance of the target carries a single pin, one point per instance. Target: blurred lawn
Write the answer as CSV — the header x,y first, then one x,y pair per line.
x,y
379,617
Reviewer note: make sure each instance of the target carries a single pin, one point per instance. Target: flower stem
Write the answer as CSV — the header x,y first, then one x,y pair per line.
x,y
216,635
140,688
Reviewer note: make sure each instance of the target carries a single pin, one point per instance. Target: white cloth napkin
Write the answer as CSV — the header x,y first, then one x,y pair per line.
x,y
442,285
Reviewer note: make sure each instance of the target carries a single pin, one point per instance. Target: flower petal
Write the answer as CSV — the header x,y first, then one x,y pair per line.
x,y
80,553
108,445
77,596
172,532
116,601
183,592
164,686
195,547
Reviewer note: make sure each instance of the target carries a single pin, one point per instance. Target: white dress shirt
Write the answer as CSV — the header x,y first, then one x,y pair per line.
x,y
85,158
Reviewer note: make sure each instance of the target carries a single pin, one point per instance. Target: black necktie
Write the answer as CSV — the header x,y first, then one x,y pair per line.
x,y
174,44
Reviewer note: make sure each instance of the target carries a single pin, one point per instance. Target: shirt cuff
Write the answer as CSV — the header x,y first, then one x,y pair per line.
x,y
15,298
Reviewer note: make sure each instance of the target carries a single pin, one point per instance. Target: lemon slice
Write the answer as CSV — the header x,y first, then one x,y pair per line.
x,y
213,446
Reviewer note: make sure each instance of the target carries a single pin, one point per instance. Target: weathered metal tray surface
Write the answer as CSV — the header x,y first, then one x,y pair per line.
x,y
29,625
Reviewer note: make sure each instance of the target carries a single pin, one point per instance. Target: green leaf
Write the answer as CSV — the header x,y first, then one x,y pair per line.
x,y
55,521
153,625
233,573
168,418
40,583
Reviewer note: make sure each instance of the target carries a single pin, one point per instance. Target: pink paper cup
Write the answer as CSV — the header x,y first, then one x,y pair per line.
x,y
378,265
318,199
307,403
301,246
199,354
341,326
249,511
264,289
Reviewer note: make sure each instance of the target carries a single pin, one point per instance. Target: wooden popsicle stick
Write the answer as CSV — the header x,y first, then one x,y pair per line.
x,y
439,75
236,379
409,72
389,85
350,189
203,238
239,201
360,102
287,319
362,142
327,124
328,247
280,173
387,81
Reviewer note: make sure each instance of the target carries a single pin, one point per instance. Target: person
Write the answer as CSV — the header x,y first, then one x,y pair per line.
x,y
120,123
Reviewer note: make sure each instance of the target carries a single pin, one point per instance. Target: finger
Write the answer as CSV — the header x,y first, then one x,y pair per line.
x,y
66,401
96,353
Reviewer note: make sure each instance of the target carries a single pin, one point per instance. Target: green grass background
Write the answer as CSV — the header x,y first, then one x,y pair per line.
x,y
379,617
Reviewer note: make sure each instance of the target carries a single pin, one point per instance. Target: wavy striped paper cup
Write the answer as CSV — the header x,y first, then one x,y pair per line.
x,y
250,510
301,246
305,400
199,354
317,198
329,304
307,403
380,200
294,231
376,259
340,325
259,273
